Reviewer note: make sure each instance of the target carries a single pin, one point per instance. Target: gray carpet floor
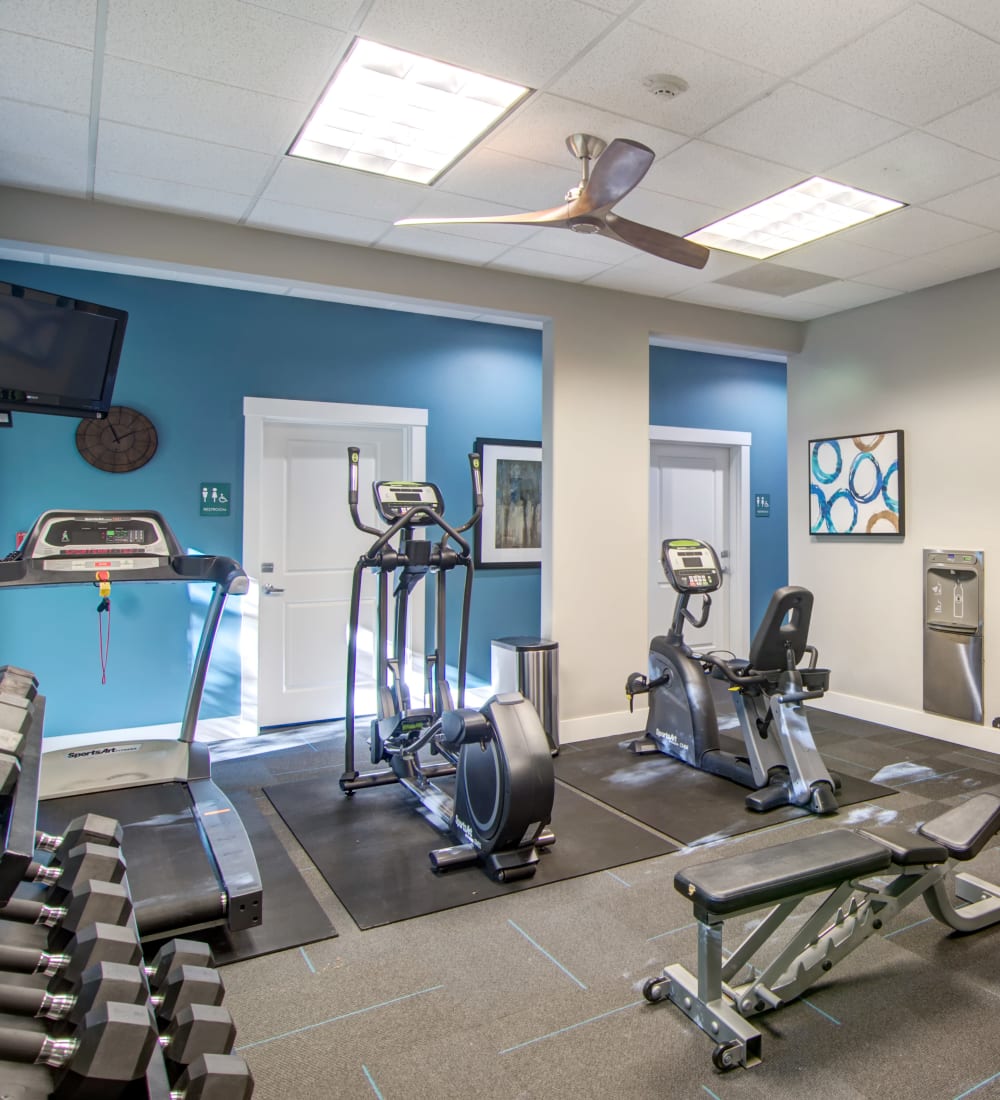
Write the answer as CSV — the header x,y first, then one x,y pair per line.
x,y
538,993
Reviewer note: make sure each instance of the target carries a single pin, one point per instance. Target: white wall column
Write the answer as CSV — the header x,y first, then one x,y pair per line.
x,y
595,434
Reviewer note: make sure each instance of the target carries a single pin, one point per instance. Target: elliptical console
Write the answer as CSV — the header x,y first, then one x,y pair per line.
x,y
504,779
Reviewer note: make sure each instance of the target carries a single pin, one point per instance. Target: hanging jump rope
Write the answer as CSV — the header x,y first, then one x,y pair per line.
x,y
102,583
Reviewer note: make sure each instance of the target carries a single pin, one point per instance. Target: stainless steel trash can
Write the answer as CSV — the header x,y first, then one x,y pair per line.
x,y
530,666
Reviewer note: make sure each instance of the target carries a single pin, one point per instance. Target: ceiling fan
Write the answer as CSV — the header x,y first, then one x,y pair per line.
x,y
616,170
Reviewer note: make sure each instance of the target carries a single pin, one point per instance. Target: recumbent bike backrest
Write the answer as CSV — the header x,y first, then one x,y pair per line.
x,y
776,637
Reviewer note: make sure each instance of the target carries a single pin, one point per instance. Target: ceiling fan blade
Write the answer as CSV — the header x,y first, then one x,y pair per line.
x,y
656,241
557,216
618,169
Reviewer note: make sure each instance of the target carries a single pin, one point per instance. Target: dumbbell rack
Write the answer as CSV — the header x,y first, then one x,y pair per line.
x,y
18,819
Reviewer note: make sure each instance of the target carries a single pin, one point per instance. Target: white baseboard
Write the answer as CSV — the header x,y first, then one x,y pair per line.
x,y
592,726
967,734
210,729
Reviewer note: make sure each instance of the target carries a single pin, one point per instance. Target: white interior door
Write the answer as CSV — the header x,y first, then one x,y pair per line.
x,y
689,497
301,546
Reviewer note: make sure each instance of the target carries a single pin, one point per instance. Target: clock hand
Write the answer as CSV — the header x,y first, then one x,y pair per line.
x,y
113,432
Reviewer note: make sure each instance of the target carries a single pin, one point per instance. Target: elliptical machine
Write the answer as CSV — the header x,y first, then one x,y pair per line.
x,y
499,755
782,765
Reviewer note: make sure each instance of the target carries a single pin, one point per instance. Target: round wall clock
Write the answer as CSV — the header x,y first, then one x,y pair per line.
x,y
124,440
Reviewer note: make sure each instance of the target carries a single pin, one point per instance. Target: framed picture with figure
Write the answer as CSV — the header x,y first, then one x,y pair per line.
x,y
856,485
510,533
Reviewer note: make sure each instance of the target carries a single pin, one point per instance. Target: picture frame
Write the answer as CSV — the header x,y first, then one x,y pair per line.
x,y
509,535
856,486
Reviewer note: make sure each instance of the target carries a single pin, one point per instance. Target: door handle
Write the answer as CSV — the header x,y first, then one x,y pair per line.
x,y
270,590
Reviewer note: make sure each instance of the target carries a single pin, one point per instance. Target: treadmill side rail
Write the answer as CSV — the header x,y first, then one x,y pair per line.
x,y
230,848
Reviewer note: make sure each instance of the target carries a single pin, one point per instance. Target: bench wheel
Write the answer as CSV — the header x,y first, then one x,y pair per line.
x,y
726,1056
655,989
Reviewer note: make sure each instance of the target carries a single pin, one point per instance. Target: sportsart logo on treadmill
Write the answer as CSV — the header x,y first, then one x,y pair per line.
x,y
104,751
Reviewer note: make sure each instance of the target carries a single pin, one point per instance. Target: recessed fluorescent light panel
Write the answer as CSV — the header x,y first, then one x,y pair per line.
x,y
806,212
400,114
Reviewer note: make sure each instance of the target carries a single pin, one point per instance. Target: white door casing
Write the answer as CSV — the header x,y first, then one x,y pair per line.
x,y
299,539
707,473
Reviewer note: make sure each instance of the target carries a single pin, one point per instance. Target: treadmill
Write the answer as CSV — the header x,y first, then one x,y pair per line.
x,y
191,865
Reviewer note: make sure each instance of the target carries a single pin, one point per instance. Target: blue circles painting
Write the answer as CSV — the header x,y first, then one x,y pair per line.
x,y
856,485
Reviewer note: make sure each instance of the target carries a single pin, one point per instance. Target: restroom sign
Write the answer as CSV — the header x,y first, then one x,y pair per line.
x,y
215,497
762,505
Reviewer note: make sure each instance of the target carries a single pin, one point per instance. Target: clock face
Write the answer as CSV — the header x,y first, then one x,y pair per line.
x,y
124,440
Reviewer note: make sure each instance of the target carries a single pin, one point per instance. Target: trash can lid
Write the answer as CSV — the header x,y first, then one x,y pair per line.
x,y
526,642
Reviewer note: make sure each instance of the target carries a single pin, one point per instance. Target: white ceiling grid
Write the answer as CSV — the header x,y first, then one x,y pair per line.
x,y
191,105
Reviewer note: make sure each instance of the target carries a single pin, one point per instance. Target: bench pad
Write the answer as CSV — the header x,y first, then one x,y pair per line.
x,y
966,829
766,877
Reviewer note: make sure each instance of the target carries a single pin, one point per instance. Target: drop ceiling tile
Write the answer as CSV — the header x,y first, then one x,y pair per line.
x,y
802,128
846,294
512,181
63,176
343,190
71,22
551,266
954,262
444,246
228,42
680,216
914,67
329,13
581,246
979,15
611,74
775,35
914,168
778,280
161,195
835,256
307,222
645,275
720,177
730,297
911,232
32,130
979,203
539,130
975,126
135,151
521,40
47,73
143,95
437,204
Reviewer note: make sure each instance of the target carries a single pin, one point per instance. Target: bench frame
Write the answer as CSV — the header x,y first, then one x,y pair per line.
x,y
851,912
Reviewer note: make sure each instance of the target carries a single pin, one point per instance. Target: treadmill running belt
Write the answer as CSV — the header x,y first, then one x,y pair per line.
x,y
171,876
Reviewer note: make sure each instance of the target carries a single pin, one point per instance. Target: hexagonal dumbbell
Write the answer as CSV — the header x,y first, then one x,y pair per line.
x,y
193,1031
86,903
214,1077
95,943
114,1043
85,861
92,827
72,1000
18,682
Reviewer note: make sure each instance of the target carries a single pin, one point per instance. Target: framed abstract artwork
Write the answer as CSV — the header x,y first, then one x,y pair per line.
x,y
856,485
510,532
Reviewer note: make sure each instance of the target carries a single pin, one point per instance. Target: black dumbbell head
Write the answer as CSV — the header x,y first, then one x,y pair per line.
x,y
95,902
87,827
216,1077
199,1029
99,984
116,1042
89,861
101,943
186,985
10,772
17,681
175,953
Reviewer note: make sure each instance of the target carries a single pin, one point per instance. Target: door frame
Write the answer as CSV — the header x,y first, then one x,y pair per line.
x,y
738,445
258,411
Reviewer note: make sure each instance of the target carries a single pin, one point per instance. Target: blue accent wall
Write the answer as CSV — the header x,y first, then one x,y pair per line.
x,y
191,354
689,389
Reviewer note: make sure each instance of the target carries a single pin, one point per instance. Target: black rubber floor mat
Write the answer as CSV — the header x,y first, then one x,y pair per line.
x,y
372,848
689,805
159,852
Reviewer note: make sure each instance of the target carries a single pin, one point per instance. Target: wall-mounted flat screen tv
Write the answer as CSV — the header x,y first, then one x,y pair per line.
x,y
57,354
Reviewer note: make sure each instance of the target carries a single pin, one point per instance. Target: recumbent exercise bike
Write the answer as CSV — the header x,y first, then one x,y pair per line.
x,y
499,755
782,765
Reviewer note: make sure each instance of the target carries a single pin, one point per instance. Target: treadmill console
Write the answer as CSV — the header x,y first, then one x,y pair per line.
x,y
72,541
394,498
691,566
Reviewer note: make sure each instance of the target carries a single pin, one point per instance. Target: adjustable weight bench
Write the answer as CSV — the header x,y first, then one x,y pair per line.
x,y
832,868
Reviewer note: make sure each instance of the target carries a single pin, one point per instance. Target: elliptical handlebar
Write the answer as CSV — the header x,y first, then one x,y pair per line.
x,y
353,465
476,469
